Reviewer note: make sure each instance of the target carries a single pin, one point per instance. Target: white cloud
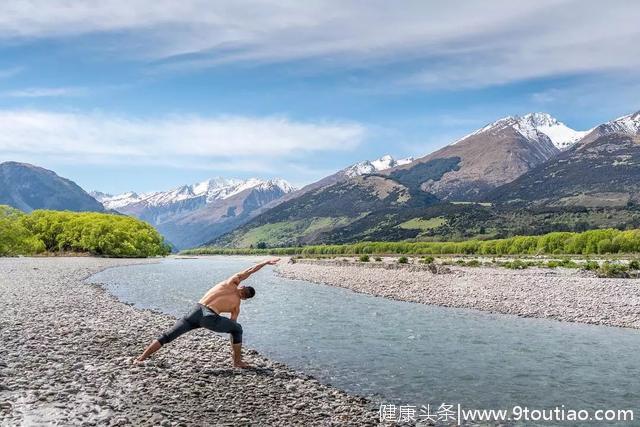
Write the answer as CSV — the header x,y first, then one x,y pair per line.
x,y
42,92
460,43
223,142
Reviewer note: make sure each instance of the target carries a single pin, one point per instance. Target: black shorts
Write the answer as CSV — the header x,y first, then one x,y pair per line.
x,y
202,316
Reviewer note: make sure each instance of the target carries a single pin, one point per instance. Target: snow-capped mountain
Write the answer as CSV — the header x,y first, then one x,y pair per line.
x,y
206,191
370,166
627,125
110,201
193,214
536,127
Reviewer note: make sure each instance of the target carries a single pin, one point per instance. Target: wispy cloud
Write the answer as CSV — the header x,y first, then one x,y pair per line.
x,y
223,142
460,44
43,92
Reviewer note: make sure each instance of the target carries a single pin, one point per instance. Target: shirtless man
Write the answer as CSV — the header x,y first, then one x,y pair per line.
x,y
225,297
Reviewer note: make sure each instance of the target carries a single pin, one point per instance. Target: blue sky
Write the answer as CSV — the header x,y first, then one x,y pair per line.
x,y
146,95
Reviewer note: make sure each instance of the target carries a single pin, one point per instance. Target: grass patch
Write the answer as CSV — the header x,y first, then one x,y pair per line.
x,y
423,224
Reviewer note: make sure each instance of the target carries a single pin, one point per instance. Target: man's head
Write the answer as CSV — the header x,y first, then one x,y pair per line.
x,y
247,292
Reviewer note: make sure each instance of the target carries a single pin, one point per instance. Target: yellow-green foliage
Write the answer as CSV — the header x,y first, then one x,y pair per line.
x,y
87,232
15,238
607,241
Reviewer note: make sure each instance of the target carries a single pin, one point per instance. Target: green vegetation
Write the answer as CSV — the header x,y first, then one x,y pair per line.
x,y
591,265
613,270
423,224
44,231
427,260
364,258
403,260
518,264
608,241
274,233
565,262
378,259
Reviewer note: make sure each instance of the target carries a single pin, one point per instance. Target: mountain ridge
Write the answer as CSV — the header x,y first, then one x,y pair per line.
x,y
28,187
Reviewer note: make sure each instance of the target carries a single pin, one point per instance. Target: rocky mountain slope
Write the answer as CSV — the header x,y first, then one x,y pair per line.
x,y
28,187
498,153
350,209
602,170
625,125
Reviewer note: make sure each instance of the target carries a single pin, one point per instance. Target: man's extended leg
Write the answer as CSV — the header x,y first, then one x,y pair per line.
x,y
151,348
182,326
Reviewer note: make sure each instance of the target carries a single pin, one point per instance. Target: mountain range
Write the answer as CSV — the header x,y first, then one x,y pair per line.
x,y
504,163
603,170
527,173
191,215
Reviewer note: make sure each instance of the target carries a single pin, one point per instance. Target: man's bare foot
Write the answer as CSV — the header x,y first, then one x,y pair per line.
x,y
241,365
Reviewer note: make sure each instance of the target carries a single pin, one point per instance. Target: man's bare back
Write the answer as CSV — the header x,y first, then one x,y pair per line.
x,y
225,297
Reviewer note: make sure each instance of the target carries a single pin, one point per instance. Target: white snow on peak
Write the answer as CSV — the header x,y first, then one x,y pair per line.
x,y
371,166
211,185
114,202
629,124
535,127
211,189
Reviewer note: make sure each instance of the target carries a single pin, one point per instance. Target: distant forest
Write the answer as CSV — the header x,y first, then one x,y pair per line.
x,y
607,241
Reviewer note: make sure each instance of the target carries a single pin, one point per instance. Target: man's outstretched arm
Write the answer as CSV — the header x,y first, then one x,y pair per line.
x,y
239,277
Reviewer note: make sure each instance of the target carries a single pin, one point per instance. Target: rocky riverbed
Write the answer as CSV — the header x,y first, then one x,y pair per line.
x,y
561,294
65,359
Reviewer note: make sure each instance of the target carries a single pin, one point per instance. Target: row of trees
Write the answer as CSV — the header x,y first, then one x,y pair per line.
x,y
101,234
607,241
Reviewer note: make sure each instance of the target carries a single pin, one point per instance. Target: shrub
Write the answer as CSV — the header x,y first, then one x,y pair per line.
x,y
518,264
634,264
378,259
566,263
591,265
427,260
613,270
364,258
84,232
473,263
403,260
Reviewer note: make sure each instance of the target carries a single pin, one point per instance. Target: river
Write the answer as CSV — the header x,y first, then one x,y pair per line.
x,y
405,353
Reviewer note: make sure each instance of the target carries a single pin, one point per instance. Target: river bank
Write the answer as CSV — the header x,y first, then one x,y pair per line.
x,y
67,347
560,294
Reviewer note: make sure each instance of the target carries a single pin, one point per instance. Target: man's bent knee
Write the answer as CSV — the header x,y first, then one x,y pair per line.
x,y
236,335
164,339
